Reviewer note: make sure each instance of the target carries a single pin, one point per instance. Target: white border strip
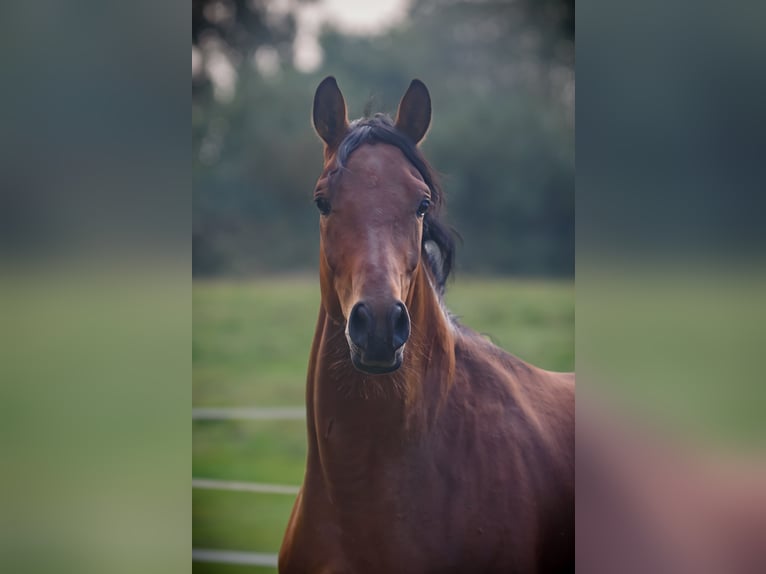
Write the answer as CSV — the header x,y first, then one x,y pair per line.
x,y
249,413
210,484
234,557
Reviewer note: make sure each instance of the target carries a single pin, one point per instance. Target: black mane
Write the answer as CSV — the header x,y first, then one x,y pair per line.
x,y
438,246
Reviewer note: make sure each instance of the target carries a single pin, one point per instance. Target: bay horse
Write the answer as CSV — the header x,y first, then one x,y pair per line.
x,y
429,448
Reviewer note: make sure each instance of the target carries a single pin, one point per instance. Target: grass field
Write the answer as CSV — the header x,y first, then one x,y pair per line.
x,y
250,347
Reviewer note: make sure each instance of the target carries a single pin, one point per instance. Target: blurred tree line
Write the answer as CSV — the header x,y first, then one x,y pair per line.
x,y
501,76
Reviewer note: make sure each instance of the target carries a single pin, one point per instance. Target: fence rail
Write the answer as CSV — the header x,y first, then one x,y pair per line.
x,y
237,486
234,557
243,413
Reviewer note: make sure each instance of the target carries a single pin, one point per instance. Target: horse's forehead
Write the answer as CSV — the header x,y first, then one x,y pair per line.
x,y
380,160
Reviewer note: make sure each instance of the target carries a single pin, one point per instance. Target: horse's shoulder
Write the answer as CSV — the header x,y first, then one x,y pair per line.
x,y
508,392
480,360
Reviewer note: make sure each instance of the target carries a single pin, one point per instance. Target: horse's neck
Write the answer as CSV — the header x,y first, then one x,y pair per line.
x,y
376,415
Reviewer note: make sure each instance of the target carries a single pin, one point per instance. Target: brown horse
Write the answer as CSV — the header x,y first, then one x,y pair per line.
x,y
429,449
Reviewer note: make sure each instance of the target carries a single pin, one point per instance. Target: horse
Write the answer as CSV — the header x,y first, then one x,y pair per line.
x,y
429,448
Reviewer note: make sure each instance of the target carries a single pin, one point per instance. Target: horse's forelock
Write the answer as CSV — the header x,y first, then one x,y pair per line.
x,y
440,256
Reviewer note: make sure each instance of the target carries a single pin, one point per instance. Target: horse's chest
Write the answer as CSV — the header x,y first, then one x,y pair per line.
x,y
388,509
407,525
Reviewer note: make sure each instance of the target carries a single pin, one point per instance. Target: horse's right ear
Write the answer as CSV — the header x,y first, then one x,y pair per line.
x,y
329,116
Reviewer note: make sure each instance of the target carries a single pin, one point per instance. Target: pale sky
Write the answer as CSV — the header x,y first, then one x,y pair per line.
x,y
362,17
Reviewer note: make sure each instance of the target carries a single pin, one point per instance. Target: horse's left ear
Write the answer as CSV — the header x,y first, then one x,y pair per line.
x,y
414,114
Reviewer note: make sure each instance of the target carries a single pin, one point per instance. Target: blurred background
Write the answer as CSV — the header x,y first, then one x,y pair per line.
x,y
501,77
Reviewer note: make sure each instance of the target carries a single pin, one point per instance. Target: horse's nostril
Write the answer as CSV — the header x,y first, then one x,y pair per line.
x,y
400,325
359,325
377,338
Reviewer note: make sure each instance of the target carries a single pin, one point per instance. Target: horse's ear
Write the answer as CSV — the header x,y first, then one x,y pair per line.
x,y
329,114
414,114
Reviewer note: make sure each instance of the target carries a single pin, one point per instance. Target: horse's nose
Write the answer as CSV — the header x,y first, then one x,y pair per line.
x,y
380,334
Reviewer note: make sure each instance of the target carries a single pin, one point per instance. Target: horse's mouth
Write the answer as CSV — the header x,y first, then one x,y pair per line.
x,y
376,367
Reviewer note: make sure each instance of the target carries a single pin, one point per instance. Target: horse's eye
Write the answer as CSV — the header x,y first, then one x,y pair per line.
x,y
423,207
323,205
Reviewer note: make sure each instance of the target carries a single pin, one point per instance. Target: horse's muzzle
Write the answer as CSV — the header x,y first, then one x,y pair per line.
x,y
377,339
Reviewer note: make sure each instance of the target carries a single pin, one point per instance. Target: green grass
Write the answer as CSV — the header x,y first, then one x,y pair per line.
x,y
534,320
250,346
239,520
256,451
251,341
